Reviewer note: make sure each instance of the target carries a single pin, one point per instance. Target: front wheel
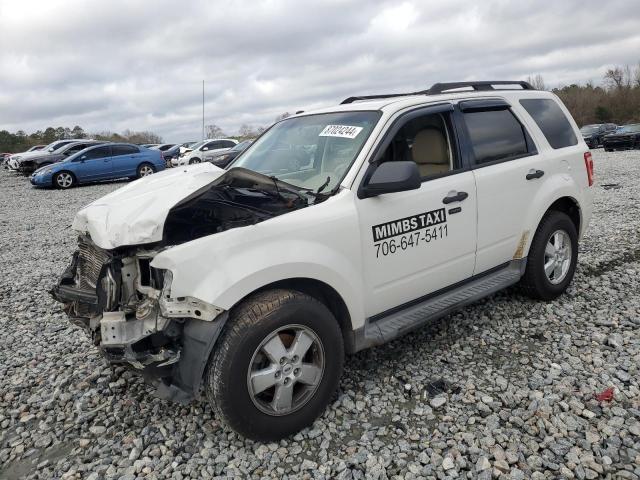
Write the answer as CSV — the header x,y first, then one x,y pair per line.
x,y
145,169
64,180
276,365
194,161
552,258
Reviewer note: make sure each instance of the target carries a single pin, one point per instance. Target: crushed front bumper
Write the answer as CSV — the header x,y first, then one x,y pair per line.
x,y
166,340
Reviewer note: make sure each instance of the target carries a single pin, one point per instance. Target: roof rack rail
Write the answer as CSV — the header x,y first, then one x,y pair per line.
x,y
375,97
438,88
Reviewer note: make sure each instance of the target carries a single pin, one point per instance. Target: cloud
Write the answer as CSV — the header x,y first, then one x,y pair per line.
x,y
140,65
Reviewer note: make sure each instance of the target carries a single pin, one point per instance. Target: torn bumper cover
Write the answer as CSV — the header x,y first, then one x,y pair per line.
x,y
126,307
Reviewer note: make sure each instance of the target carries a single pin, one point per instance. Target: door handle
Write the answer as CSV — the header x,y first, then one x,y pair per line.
x,y
454,196
533,173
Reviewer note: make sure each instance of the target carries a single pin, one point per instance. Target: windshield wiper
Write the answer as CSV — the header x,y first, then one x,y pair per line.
x,y
323,186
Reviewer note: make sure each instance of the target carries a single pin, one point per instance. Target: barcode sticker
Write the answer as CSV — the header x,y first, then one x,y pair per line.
x,y
342,131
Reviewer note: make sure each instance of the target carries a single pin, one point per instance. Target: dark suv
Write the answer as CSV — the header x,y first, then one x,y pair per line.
x,y
593,134
626,136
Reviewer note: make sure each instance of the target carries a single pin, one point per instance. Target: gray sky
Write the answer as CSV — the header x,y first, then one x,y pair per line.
x,y
117,64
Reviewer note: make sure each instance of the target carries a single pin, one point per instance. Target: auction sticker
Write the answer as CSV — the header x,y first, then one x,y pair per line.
x,y
342,131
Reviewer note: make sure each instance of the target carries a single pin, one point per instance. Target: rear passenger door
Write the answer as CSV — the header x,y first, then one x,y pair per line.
x,y
508,172
125,160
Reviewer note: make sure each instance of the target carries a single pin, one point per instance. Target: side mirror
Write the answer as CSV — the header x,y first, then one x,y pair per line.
x,y
204,149
390,177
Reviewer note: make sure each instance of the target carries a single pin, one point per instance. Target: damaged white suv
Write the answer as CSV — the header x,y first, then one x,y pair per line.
x,y
337,230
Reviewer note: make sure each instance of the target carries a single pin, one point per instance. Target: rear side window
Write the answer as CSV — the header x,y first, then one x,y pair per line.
x,y
227,144
124,150
551,120
495,135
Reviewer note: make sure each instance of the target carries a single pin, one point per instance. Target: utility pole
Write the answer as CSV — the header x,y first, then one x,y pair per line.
x,y
203,110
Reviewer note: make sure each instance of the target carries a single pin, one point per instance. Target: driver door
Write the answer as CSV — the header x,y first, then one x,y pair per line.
x,y
94,164
419,241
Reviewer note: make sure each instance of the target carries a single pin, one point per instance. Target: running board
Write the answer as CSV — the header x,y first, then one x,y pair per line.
x,y
381,329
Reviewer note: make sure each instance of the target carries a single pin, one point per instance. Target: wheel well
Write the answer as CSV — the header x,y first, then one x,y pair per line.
x,y
569,206
325,294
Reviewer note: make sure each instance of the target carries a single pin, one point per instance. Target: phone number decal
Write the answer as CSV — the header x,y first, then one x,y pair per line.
x,y
411,240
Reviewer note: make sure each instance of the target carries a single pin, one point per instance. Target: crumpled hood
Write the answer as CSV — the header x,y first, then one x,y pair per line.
x,y
135,214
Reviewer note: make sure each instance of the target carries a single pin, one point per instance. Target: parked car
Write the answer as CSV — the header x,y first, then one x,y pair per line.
x,y
625,137
169,152
203,149
225,158
593,134
12,163
335,231
187,146
30,164
101,162
150,145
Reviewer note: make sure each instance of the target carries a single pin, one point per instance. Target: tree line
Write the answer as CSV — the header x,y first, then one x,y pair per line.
x,y
21,141
615,100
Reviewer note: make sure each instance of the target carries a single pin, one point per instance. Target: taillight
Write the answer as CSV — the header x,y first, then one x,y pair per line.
x,y
588,163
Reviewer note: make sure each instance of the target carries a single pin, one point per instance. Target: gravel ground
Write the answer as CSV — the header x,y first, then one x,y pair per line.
x,y
505,388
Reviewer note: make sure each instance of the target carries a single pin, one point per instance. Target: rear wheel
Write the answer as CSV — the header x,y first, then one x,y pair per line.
x,y
552,258
145,169
276,365
64,180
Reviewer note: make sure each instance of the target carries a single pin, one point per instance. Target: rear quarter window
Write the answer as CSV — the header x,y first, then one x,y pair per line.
x,y
551,120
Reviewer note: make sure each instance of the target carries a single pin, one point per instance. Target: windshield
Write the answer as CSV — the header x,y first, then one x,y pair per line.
x,y
196,146
629,129
312,152
52,146
589,129
241,146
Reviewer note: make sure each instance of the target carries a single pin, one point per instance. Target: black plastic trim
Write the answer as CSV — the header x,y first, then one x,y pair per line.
x,y
424,298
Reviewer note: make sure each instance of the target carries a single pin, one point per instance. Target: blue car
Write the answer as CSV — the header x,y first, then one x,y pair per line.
x,y
102,162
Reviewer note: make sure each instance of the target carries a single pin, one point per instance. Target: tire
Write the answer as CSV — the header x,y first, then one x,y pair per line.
x,y
145,169
536,283
195,160
274,314
64,180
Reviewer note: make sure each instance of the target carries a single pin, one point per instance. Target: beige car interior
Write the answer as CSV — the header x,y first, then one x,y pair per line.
x,y
424,140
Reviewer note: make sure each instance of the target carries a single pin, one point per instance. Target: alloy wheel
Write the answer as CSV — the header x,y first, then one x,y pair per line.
x,y
285,370
145,170
64,180
557,256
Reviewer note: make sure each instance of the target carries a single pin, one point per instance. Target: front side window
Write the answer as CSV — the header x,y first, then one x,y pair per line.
x,y
552,121
425,140
313,152
496,135
99,152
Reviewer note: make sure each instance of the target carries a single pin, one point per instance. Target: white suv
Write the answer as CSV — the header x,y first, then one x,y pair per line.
x,y
335,231
204,151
